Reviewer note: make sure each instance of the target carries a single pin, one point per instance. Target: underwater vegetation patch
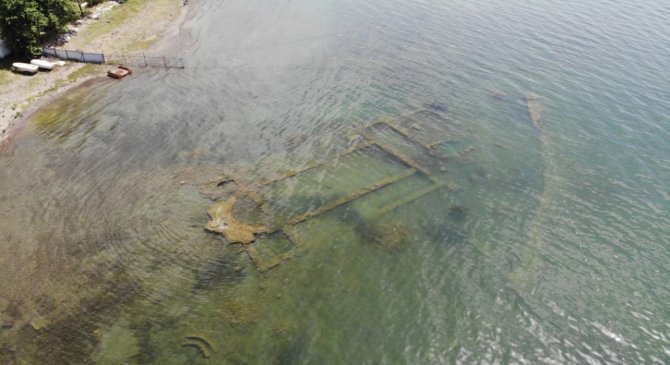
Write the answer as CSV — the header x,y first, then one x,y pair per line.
x,y
385,235
271,250
294,351
64,118
72,339
217,272
240,312
458,213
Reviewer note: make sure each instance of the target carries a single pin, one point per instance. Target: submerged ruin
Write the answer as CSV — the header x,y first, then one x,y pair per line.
x,y
382,166
534,110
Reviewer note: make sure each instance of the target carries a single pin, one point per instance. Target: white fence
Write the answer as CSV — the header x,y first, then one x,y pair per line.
x,y
79,56
138,60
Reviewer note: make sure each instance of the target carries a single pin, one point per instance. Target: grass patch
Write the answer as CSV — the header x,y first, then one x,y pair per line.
x,y
108,22
5,77
86,70
6,74
142,44
34,81
153,11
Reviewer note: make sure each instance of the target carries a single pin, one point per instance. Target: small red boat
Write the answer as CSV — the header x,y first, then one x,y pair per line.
x,y
119,72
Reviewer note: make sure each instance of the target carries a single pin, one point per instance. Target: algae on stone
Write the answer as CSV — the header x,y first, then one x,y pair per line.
x,y
239,311
386,235
283,328
117,344
222,221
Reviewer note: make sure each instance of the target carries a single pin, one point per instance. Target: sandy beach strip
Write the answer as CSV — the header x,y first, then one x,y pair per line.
x,y
133,27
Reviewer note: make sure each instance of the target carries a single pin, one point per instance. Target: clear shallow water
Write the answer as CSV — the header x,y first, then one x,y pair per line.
x,y
557,252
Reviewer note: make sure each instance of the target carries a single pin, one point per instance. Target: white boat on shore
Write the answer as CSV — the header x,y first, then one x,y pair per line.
x,y
25,68
43,64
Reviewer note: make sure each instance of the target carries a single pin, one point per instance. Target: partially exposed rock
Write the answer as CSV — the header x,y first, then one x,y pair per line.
x,y
222,221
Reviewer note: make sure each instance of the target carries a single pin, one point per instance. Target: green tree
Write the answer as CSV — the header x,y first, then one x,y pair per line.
x,y
59,13
22,23
27,23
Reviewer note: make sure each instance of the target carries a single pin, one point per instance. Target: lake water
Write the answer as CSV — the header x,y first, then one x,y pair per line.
x,y
419,214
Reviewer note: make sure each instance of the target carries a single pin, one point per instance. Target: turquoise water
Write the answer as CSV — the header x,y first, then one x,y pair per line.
x,y
546,245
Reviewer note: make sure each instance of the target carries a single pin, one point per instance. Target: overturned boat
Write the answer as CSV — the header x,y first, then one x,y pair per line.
x,y
25,68
43,64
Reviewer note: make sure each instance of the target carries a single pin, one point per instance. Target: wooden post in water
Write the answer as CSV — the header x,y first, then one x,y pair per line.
x,y
164,62
145,60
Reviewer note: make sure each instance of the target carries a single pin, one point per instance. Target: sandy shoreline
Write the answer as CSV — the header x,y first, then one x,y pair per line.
x,y
23,95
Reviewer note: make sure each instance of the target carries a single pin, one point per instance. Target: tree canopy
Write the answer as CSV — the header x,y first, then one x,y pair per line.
x,y
27,23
